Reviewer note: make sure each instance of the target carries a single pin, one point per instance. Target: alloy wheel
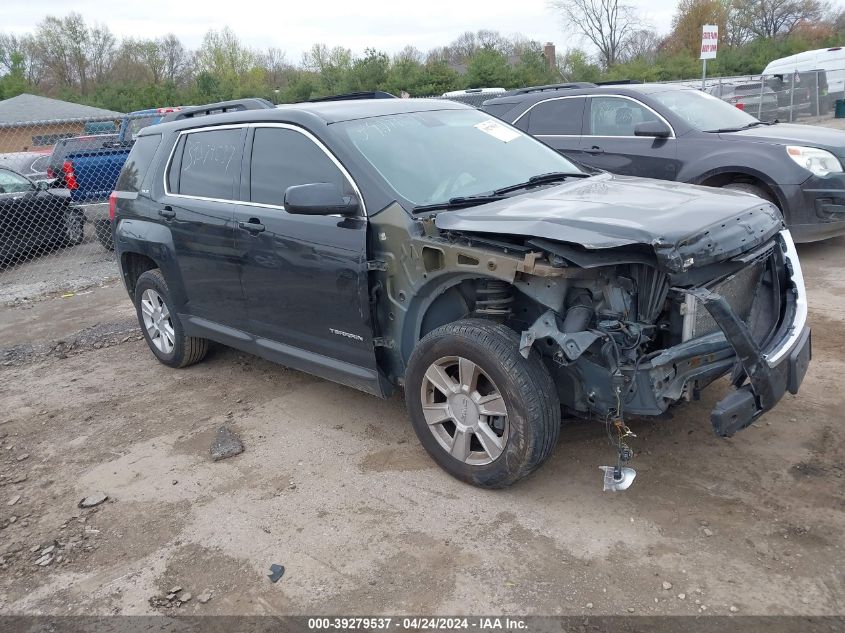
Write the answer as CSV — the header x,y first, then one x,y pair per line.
x,y
464,410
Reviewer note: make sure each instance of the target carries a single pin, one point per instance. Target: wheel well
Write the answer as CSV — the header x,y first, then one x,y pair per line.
x,y
134,265
720,180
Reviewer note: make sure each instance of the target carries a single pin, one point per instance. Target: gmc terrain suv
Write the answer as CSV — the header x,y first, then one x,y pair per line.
x,y
683,134
425,245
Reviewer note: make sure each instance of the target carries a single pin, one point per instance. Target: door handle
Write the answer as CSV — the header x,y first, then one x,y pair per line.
x,y
254,226
595,149
167,213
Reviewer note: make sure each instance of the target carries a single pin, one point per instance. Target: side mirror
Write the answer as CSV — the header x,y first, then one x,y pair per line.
x,y
42,185
656,129
319,198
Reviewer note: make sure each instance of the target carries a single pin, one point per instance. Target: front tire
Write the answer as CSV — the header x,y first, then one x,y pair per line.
x,y
161,326
484,413
747,187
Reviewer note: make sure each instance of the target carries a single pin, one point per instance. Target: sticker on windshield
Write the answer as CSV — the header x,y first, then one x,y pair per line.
x,y
497,130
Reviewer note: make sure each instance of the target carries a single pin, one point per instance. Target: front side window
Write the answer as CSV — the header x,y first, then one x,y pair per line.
x,y
431,156
613,116
556,117
282,158
10,182
209,164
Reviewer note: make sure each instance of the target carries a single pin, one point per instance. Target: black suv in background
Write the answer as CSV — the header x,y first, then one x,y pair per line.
x,y
678,133
425,244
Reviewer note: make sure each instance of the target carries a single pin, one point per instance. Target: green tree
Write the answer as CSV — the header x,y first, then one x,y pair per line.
x,y
488,68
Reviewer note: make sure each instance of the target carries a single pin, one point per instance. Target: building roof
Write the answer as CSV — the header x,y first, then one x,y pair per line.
x,y
27,107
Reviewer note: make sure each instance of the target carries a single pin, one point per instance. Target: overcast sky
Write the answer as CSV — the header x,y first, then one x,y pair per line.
x,y
294,26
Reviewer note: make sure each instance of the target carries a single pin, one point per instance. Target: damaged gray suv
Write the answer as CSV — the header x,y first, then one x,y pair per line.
x,y
422,244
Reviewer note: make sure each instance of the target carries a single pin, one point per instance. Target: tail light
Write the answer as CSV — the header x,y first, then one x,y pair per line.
x,y
50,173
70,176
740,106
112,205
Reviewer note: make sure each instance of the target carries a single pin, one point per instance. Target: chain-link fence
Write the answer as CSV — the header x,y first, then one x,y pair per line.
x,y
55,180
800,96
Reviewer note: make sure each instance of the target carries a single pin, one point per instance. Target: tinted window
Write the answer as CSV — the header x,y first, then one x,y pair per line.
x,y
561,116
282,158
612,116
138,162
211,163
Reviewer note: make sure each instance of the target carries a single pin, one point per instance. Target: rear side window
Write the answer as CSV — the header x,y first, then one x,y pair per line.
x,y
560,116
282,158
209,164
137,164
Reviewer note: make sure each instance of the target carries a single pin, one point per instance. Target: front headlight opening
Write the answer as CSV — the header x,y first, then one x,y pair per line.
x,y
818,161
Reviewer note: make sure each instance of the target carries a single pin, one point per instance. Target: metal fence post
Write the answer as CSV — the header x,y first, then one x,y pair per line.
x,y
760,103
791,95
818,104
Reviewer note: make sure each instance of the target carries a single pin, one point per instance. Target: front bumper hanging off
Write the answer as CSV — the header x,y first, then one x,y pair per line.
x,y
768,380
770,372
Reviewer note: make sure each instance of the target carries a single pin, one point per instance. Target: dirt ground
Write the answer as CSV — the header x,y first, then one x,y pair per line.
x,y
334,486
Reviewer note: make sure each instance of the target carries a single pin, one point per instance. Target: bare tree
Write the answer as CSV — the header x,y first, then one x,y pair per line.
x,y
606,23
773,18
642,44
177,60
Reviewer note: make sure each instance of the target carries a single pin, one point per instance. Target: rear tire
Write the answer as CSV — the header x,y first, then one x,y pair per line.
x,y
454,407
102,228
74,228
161,326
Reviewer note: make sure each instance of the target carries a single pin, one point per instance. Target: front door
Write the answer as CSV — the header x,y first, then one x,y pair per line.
x,y
304,277
199,209
609,142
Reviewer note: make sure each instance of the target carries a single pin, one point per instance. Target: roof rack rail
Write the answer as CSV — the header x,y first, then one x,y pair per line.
x,y
371,94
236,105
618,82
569,86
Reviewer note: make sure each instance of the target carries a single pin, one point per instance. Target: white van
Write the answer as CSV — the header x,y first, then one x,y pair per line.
x,y
831,60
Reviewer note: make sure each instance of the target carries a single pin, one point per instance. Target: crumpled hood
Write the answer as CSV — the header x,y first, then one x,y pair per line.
x,y
686,225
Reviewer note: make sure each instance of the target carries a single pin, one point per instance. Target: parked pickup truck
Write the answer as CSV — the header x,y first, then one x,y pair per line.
x,y
91,173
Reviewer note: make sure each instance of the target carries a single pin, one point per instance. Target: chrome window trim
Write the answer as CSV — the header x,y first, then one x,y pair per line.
x,y
640,103
285,126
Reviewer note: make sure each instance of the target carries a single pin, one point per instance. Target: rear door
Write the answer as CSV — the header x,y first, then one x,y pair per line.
x,y
609,142
558,123
198,207
304,276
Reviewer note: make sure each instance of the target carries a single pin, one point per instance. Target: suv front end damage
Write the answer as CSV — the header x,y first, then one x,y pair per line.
x,y
750,323
626,327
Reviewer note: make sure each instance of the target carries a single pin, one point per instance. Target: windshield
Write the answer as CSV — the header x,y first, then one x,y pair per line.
x,y
137,124
431,157
703,111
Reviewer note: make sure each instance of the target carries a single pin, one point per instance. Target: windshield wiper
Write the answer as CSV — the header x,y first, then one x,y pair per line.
x,y
744,127
460,202
541,179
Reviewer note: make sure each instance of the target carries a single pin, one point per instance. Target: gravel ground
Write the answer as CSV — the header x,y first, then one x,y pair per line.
x,y
334,486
